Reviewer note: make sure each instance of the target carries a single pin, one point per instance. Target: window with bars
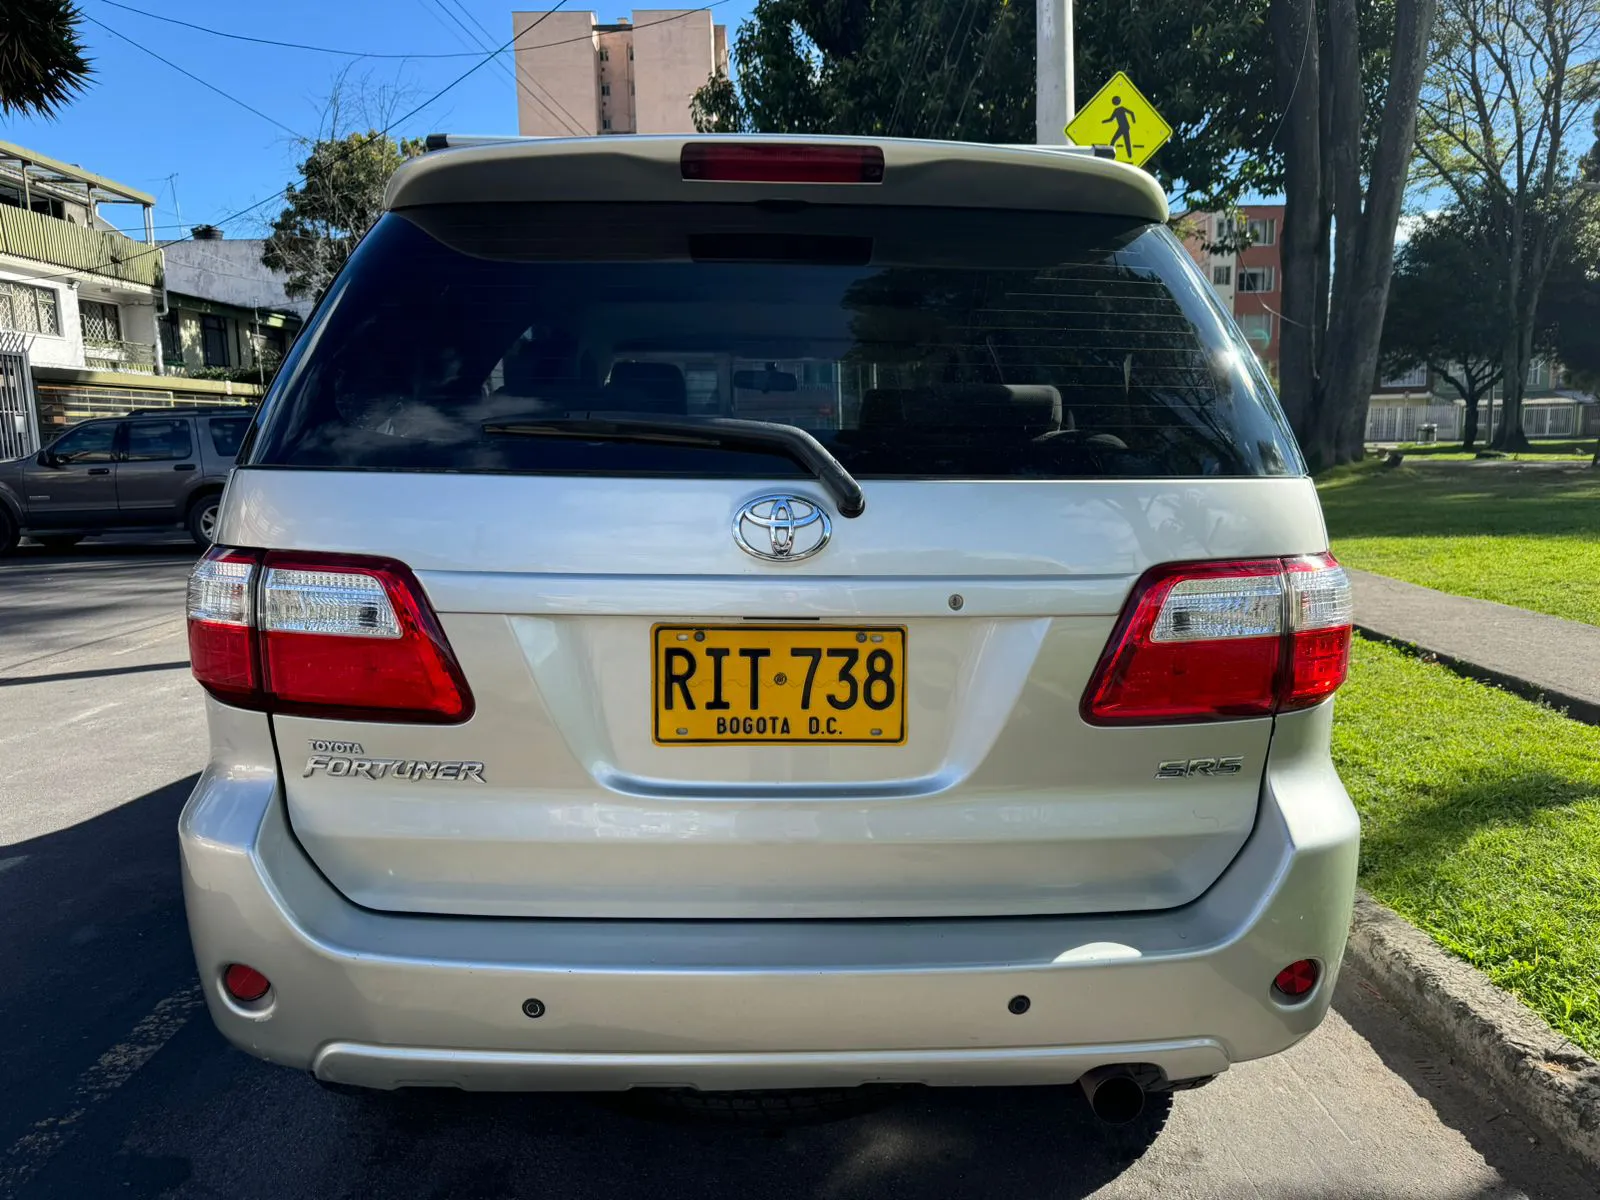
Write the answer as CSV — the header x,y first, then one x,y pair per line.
x,y
1263,231
101,322
1257,279
1222,276
28,309
214,340
171,338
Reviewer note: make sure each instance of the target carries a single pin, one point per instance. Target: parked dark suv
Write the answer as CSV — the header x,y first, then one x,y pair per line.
x,y
148,469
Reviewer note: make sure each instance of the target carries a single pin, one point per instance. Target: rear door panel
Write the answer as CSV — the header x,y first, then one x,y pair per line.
x,y
1000,800
160,466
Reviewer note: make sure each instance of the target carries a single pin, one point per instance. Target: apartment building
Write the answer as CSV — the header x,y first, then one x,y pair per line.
x,y
81,304
1249,281
578,78
228,316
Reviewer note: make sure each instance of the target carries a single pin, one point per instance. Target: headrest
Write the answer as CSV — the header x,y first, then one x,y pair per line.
x,y
652,387
1026,409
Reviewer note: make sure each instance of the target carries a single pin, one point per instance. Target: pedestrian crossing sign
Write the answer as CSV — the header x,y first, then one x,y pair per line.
x,y
1120,117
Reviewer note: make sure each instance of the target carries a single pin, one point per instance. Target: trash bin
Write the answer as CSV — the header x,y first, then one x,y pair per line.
x,y
1428,434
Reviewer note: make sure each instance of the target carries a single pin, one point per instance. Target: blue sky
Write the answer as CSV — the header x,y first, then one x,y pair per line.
x,y
142,122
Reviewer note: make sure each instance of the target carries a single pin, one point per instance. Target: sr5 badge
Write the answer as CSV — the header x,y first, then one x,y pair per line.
x,y
1183,768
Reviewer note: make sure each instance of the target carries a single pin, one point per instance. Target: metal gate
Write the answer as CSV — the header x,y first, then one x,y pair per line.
x,y
19,420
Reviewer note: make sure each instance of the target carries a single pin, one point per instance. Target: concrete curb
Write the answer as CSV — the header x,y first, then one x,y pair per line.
x,y
1522,1060
1574,707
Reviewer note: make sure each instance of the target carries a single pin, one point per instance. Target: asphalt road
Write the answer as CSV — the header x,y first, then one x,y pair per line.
x,y
113,1082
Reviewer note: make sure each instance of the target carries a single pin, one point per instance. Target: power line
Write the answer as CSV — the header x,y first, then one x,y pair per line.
x,y
239,37
466,12
933,126
466,37
260,41
406,116
920,44
472,70
571,123
184,71
516,75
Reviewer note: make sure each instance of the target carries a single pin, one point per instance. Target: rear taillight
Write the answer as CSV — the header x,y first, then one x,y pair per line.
x,y
1321,609
326,635
222,644
780,162
1211,641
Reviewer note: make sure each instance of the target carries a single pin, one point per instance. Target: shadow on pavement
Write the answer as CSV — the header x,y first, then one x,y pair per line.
x,y
160,544
1509,1142
92,938
101,673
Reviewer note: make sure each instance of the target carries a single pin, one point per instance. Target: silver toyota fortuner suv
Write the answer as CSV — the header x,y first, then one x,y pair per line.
x,y
730,614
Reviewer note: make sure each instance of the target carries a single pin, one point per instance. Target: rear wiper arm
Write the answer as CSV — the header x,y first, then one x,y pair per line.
x,y
711,432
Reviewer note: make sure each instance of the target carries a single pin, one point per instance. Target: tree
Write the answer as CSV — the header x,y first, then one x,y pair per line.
x,y
339,194
42,63
1569,309
1445,312
1512,82
964,69
1347,138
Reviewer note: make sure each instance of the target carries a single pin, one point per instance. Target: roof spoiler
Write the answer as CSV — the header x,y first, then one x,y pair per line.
x,y
452,141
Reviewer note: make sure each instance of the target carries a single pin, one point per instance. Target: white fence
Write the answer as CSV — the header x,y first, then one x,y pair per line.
x,y
1546,420
1403,422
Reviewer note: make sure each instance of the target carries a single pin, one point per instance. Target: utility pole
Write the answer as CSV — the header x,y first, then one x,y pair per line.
x,y
1054,89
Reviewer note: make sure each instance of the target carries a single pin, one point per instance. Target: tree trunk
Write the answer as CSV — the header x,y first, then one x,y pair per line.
x,y
1294,24
1514,380
1469,428
1365,261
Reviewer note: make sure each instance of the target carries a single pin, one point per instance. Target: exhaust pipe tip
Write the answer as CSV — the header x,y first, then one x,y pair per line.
x,y
1115,1096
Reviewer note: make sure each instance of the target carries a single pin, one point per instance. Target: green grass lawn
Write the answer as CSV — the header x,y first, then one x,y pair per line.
x,y
1481,825
1522,535
1549,451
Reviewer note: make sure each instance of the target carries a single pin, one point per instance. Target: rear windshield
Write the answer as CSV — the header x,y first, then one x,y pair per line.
x,y
913,343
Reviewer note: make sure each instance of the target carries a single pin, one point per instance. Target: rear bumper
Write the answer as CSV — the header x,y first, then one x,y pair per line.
x,y
386,1000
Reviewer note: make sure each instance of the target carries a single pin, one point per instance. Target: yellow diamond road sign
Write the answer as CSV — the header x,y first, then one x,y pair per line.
x,y
1120,117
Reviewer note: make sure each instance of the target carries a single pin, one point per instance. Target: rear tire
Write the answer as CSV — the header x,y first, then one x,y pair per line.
x,y
59,541
9,533
202,520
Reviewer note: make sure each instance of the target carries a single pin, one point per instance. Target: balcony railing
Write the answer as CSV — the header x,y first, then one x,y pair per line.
x,y
28,234
106,355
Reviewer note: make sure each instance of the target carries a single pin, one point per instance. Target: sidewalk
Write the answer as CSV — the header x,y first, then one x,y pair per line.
x,y
1535,655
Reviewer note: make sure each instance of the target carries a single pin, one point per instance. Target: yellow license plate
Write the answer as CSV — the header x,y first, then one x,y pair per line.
x,y
818,684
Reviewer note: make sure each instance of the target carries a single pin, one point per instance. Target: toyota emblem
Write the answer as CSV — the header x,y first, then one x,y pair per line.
x,y
781,528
